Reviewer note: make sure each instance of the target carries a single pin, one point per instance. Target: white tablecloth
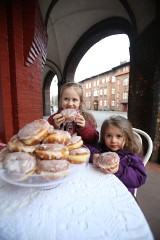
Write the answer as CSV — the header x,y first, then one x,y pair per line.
x,y
88,205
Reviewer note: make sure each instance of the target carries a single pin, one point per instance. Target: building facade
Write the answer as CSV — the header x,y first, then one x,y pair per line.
x,y
108,90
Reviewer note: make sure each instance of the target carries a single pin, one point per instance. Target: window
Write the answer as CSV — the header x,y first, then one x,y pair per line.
x,y
101,103
107,79
97,82
101,91
125,82
86,94
113,90
95,93
89,85
125,95
105,91
113,79
94,84
103,80
86,85
105,103
113,103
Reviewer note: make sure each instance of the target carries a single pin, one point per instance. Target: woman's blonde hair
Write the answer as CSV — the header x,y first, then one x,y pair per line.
x,y
79,89
131,142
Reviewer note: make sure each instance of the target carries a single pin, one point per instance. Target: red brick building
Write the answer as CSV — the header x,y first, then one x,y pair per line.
x,y
108,90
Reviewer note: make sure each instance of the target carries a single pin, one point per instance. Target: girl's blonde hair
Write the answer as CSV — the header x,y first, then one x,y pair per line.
x,y
78,88
131,142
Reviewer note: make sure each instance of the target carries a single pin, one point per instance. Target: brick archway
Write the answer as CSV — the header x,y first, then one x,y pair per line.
x,y
105,28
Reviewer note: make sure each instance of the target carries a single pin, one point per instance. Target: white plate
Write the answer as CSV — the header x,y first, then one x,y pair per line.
x,y
37,180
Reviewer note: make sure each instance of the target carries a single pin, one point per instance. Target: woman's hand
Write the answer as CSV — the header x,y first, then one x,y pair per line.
x,y
80,121
58,120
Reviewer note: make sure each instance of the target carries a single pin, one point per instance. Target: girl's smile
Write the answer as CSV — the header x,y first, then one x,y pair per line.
x,y
70,99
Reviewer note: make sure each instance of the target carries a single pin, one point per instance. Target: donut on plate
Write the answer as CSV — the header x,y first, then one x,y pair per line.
x,y
50,151
16,145
69,114
58,136
3,153
20,162
79,155
75,142
53,169
107,161
34,132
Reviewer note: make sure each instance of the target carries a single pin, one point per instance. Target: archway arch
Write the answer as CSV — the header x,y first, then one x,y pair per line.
x,y
105,28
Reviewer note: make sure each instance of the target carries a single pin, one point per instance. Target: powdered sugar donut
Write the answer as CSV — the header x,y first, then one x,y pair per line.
x,y
53,169
58,136
34,132
79,155
20,162
51,151
3,153
16,145
108,160
76,142
69,114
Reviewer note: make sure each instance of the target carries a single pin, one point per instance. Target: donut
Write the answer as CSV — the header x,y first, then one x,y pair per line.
x,y
3,153
108,161
58,136
50,151
16,145
34,132
79,155
53,169
75,142
20,162
69,114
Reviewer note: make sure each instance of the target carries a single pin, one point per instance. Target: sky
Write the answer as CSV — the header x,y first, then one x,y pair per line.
x,y
103,56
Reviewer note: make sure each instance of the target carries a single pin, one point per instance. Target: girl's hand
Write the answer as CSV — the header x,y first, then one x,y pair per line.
x,y
80,121
58,120
96,159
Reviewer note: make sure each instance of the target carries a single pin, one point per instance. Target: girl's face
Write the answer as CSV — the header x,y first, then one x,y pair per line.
x,y
70,99
114,138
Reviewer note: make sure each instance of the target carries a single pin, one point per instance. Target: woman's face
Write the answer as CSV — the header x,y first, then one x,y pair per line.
x,y
114,138
70,99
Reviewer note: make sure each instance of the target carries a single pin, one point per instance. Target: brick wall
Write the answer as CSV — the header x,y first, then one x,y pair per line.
x,y
27,46
144,85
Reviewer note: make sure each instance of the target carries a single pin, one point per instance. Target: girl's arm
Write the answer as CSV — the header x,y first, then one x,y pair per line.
x,y
131,171
89,133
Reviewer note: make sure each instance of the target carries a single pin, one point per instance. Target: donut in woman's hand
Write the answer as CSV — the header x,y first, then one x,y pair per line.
x,y
69,114
58,136
34,132
79,155
16,145
75,142
53,169
50,151
108,160
20,162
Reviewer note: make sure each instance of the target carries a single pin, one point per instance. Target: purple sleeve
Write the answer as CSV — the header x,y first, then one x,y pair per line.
x,y
131,171
93,150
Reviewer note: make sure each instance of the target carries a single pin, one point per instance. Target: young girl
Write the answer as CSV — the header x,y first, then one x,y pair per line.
x,y
117,136
71,96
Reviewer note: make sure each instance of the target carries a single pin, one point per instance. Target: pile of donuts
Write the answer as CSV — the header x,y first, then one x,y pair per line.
x,y
38,148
